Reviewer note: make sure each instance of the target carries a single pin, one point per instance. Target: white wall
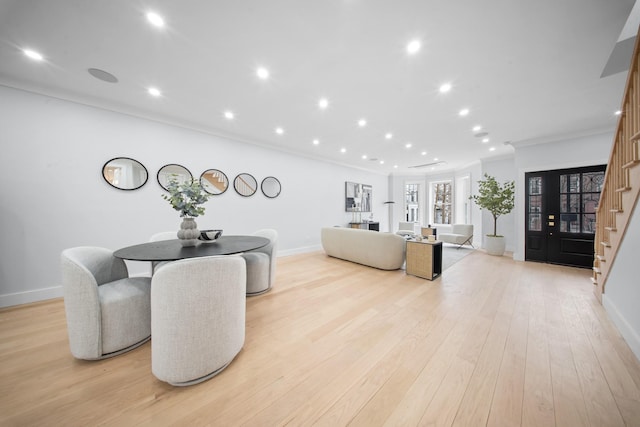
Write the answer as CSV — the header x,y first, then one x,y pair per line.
x,y
622,292
53,194
563,154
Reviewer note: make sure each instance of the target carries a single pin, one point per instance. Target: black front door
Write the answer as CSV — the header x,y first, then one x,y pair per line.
x,y
560,215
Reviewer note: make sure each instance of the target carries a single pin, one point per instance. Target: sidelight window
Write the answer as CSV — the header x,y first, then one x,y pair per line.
x,y
534,215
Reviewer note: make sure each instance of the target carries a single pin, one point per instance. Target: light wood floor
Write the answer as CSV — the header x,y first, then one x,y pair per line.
x,y
492,342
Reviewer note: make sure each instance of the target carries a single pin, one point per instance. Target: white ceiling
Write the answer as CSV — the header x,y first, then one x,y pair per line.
x,y
527,70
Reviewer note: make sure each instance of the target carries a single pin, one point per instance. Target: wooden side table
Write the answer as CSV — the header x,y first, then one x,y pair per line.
x,y
424,259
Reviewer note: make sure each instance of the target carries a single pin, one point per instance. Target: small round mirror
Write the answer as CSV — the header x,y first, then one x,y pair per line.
x,y
271,187
214,181
172,171
245,184
124,173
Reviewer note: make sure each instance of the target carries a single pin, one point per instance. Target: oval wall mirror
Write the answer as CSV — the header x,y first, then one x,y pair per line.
x,y
245,184
173,171
214,181
125,173
271,187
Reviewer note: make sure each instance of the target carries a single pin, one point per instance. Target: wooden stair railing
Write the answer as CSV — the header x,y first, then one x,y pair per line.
x,y
622,180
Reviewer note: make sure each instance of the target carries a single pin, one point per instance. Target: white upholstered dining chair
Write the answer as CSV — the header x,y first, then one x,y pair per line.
x,y
163,235
197,318
261,264
108,312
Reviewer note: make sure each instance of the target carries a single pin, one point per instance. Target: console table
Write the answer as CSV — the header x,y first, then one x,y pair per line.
x,y
424,259
373,226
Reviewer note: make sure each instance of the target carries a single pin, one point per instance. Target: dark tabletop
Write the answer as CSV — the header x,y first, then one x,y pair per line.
x,y
171,250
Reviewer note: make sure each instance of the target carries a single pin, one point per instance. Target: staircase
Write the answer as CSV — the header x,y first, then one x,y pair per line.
x,y
622,181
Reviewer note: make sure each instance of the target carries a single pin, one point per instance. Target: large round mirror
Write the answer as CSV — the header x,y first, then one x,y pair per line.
x,y
245,184
214,181
271,187
124,173
173,172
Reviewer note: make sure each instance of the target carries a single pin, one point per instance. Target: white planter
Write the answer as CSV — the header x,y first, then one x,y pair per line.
x,y
494,245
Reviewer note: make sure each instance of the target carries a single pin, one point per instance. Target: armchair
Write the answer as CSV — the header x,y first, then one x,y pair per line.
x,y
108,313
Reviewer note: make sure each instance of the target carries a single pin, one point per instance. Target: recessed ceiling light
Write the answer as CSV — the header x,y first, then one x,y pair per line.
x,y
382,162
413,47
262,73
154,91
408,145
477,128
279,130
395,166
492,149
33,54
343,150
323,103
155,19
424,153
364,156
388,135
435,159
362,123
316,142
617,113
229,115
464,112
485,140
446,87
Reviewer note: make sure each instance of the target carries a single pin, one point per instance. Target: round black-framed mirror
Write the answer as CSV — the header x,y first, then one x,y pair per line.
x,y
245,184
271,187
125,173
173,171
214,181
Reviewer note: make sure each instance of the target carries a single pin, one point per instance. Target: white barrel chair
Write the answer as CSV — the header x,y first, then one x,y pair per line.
x,y
261,264
157,237
108,312
197,318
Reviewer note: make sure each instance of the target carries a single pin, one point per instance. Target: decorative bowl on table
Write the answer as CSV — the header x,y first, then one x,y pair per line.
x,y
209,235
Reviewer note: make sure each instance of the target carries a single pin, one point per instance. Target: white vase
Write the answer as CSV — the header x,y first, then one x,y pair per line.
x,y
188,233
494,245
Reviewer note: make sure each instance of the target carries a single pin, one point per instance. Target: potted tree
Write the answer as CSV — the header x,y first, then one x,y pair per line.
x,y
499,200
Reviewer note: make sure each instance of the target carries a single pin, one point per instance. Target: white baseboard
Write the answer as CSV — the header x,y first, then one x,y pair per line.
x,y
8,300
628,333
302,250
26,297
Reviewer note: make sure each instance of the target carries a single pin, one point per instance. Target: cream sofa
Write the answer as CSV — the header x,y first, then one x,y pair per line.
x,y
461,234
385,251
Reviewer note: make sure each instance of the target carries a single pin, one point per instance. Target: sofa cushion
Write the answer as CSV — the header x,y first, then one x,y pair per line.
x,y
459,235
385,251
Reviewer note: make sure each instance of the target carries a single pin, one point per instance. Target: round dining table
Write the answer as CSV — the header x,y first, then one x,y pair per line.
x,y
172,250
